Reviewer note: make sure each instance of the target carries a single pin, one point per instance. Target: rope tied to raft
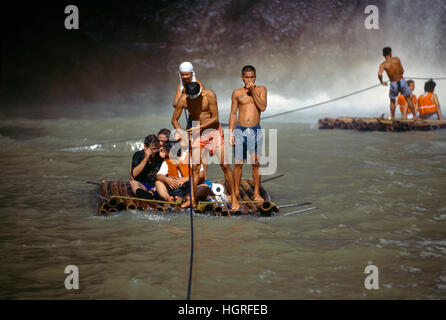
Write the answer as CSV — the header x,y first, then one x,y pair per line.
x,y
191,261
218,202
175,203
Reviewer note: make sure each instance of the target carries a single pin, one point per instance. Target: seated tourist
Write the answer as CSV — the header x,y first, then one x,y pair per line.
x,y
428,104
163,136
145,165
173,177
403,103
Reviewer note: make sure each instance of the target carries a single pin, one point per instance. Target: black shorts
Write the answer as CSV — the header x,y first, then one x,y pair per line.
x,y
180,191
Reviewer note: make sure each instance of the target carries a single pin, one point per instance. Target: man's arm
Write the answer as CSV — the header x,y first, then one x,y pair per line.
x,y
136,171
259,97
380,74
177,96
169,181
213,110
437,104
177,114
130,173
162,176
233,117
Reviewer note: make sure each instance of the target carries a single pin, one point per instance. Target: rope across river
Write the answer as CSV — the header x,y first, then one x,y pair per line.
x,y
267,116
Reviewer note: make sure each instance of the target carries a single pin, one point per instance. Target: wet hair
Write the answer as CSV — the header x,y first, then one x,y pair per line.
x,y
387,51
165,132
409,82
151,139
248,68
429,86
168,145
192,88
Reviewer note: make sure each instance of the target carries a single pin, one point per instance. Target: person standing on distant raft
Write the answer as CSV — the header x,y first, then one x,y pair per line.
x,y
428,104
207,135
187,75
398,84
249,101
401,102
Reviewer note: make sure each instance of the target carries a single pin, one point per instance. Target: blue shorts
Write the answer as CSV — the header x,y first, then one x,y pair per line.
x,y
397,87
148,187
247,138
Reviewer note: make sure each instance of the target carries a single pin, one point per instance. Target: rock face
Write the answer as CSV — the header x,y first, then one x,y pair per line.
x,y
128,52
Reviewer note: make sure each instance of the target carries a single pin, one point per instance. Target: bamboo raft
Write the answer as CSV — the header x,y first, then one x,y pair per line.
x,y
116,196
380,124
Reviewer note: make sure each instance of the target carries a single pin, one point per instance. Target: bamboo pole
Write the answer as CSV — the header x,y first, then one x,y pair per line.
x,y
247,188
130,204
268,207
116,202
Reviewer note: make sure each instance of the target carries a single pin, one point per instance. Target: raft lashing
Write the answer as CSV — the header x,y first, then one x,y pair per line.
x,y
380,124
116,196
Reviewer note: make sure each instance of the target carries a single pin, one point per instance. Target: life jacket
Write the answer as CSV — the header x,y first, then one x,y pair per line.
x,y
402,102
173,168
426,104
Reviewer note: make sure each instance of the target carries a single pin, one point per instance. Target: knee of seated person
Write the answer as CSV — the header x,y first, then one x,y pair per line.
x,y
133,183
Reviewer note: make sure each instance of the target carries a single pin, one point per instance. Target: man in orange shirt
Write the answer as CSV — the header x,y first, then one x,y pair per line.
x,y
405,110
428,104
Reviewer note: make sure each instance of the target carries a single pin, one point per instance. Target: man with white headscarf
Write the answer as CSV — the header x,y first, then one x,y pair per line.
x,y
187,75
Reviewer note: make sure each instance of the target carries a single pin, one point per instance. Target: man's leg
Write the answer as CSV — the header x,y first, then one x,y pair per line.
x,y
405,112
412,107
134,185
162,191
194,182
392,109
197,154
238,172
229,176
256,176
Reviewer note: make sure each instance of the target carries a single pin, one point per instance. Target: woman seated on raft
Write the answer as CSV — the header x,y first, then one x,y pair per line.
x,y
173,177
402,103
428,105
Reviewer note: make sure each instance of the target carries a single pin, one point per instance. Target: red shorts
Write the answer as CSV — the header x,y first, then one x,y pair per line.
x,y
209,139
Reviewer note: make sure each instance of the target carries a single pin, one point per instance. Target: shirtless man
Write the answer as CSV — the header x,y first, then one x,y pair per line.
x,y
398,84
207,135
187,75
249,101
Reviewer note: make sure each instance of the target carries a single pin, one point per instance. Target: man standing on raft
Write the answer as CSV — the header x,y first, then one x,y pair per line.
x,y
207,135
398,84
249,101
187,75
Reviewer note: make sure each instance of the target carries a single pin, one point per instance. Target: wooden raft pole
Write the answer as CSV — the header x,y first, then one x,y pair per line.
x,y
116,196
380,124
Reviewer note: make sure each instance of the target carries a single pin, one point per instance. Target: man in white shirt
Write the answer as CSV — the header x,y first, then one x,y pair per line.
x,y
173,176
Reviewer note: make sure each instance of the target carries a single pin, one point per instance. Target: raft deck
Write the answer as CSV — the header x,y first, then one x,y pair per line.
x,y
116,196
380,124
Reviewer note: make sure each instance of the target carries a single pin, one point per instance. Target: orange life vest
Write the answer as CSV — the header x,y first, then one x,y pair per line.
x,y
173,169
426,104
402,102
